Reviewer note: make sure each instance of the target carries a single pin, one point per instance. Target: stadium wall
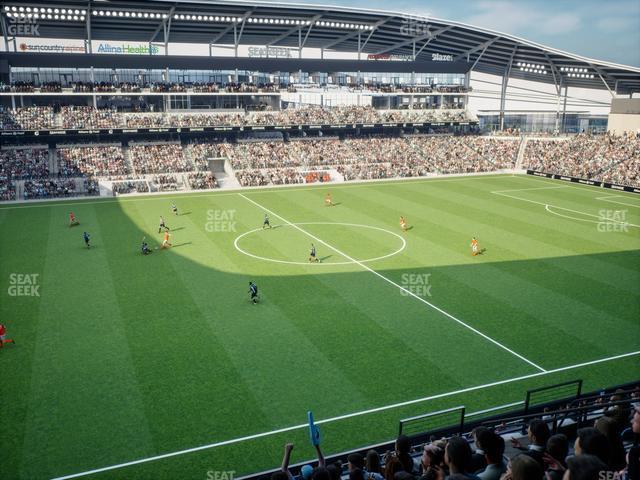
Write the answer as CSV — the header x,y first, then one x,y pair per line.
x,y
624,116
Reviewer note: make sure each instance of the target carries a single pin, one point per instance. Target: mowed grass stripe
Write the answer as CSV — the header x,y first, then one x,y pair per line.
x,y
179,361
21,316
83,389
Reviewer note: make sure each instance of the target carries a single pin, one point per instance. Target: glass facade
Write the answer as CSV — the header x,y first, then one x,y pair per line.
x,y
66,76
545,122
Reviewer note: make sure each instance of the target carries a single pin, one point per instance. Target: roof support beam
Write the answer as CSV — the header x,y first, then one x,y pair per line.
x,y
293,30
600,73
231,27
482,46
429,35
88,44
162,24
349,36
505,84
479,57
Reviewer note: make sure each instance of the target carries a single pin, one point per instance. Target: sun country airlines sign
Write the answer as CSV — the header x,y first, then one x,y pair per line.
x,y
51,45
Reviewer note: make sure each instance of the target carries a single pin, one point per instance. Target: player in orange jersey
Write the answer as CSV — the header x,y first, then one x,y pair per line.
x,y
327,200
73,221
474,247
165,242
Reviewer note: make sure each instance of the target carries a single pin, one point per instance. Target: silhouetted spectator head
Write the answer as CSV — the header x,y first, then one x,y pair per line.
x,y
356,474
558,447
432,456
355,461
477,434
538,432
373,462
584,467
493,447
321,473
591,442
525,467
457,455
403,451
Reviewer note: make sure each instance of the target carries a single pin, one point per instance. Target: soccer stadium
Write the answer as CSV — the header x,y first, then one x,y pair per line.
x,y
247,239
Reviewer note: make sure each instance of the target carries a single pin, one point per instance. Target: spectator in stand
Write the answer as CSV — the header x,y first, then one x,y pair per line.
x,y
431,461
524,467
392,466
591,442
403,452
608,426
557,451
538,434
307,471
372,466
632,472
478,460
493,447
457,456
586,467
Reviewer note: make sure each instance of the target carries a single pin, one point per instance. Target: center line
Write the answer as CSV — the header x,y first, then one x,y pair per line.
x,y
388,280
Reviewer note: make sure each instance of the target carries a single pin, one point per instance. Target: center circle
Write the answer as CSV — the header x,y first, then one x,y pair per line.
x,y
347,262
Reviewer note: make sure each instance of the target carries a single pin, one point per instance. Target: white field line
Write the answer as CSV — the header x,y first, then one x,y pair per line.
x,y
534,188
546,205
577,186
343,417
608,197
388,280
570,217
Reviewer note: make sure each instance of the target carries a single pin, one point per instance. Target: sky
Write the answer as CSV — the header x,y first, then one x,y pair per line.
x,y
601,29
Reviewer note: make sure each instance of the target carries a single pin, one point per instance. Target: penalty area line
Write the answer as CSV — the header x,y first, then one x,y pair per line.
x,y
350,415
388,280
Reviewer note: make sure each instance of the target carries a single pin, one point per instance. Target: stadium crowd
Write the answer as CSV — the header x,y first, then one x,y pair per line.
x,y
96,160
87,117
159,158
202,180
604,157
26,118
374,157
594,452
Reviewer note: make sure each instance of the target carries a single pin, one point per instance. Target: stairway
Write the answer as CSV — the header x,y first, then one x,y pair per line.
x,y
520,156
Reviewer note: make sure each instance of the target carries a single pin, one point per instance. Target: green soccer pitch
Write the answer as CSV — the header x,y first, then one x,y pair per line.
x,y
159,366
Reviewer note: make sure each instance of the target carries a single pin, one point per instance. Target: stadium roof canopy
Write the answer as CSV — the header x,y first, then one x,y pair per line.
x,y
368,32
